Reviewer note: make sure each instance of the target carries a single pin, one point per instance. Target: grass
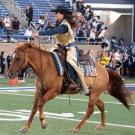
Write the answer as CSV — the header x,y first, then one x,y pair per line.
x,y
31,82
116,114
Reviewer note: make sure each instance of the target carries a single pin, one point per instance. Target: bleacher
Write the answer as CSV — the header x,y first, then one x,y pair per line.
x,y
41,7
3,11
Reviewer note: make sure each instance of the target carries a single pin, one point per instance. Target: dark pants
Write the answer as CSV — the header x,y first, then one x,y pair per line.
x,y
2,69
8,35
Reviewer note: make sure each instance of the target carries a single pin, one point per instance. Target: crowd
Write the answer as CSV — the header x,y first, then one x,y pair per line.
x,y
120,57
92,28
9,25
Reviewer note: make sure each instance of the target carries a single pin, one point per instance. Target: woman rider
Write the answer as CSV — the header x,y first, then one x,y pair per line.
x,y
64,31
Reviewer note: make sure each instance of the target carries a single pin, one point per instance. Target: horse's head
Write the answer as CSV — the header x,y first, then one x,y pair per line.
x,y
19,61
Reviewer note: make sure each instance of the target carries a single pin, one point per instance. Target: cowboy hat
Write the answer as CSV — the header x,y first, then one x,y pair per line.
x,y
62,10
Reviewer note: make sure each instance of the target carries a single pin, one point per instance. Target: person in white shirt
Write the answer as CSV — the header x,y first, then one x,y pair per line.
x,y
7,24
118,61
28,34
102,34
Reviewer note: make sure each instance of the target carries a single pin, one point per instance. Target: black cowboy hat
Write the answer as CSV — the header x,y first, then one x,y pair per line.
x,y
62,10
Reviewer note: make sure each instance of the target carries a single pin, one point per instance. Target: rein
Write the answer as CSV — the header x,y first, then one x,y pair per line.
x,y
41,65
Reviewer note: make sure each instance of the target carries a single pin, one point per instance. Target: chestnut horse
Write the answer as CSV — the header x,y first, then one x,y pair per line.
x,y
49,84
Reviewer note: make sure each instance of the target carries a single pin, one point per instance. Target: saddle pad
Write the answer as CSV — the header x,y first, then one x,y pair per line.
x,y
89,70
89,67
58,63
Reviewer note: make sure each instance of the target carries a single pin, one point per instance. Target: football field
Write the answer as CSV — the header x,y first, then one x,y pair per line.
x,y
15,106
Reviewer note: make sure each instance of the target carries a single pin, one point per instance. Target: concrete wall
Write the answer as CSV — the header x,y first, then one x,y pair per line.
x,y
122,28
9,48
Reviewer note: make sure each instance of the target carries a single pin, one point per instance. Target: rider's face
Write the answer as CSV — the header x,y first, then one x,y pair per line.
x,y
59,16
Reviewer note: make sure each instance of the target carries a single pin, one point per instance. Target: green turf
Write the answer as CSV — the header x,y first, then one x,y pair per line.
x,y
116,114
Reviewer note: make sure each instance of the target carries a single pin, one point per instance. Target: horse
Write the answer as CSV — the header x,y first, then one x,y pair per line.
x,y
49,84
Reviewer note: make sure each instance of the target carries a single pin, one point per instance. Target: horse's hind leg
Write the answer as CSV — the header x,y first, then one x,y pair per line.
x,y
33,112
92,100
101,107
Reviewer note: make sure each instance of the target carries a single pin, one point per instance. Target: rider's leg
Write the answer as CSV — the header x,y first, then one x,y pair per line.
x,y
80,75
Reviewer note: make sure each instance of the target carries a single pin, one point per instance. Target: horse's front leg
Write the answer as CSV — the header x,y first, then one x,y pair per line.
x,y
33,112
50,94
92,99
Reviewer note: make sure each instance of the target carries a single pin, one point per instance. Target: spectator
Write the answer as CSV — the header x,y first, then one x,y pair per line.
x,y
102,34
88,13
7,24
80,7
1,26
15,24
28,34
29,14
41,22
74,5
2,64
9,59
93,33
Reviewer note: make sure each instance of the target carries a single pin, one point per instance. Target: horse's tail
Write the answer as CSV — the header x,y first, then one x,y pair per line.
x,y
117,89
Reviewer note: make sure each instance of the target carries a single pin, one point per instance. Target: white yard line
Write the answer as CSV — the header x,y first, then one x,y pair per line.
x,y
63,118
71,119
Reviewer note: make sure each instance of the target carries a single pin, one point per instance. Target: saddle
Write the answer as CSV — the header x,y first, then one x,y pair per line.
x,y
69,85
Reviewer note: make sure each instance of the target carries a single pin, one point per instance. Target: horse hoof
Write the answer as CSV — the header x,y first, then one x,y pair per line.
x,y
100,126
76,130
43,125
24,130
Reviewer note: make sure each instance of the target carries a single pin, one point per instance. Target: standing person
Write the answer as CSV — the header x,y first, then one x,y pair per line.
x,y
15,24
74,5
28,34
64,31
9,59
2,63
118,61
7,24
29,14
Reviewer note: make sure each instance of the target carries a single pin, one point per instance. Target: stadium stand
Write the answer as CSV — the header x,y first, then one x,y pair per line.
x,y
3,11
40,7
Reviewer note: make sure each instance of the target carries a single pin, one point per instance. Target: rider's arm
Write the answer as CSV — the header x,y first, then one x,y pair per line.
x,y
61,29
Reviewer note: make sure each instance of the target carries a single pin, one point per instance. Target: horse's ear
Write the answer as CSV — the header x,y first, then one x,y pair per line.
x,y
29,45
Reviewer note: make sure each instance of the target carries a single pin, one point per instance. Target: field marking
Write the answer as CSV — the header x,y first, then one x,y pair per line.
x,y
95,112
22,117
73,99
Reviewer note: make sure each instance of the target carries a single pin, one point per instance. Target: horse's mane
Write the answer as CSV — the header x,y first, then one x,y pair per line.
x,y
29,45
